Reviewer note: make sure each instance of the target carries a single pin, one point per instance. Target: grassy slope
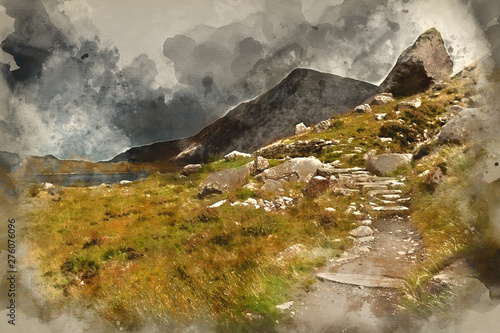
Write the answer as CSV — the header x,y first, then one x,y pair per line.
x,y
154,249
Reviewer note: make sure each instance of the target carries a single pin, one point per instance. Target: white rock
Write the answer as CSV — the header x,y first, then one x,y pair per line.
x,y
364,108
366,222
235,154
285,306
217,204
251,201
301,129
362,231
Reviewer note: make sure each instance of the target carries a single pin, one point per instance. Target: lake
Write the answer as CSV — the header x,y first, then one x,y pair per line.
x,y
88,179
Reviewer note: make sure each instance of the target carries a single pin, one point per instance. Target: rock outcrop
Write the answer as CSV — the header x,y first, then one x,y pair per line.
x,y
460,127
425,62
295,149
386,163
225,180
297,169
191,169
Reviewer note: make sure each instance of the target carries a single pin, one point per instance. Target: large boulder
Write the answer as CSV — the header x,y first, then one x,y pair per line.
x,y
225,180
301,129
363,108
380,99
461,127
423,63
259,164
386,163
298,169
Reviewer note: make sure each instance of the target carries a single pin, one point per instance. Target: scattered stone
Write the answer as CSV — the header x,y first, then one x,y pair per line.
x,y
292,252
423,63
362,231
322,126
458,130
454,109
380,116
401,253
251,201
413,103
385,139
294,149
301,129
366,222
373,193
345,191
364,108
297,169
391,196
217,204
125,182
387,163
191,169
316,186
381,99
365,239
48,186
252,185
285,306
260,164
236,154
330,209
225,180
390,208
477,101
371,281
272,186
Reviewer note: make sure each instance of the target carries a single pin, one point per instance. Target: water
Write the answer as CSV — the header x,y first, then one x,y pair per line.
x,y
92,179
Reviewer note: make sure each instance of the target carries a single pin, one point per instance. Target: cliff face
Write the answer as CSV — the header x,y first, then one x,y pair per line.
x,y
423,63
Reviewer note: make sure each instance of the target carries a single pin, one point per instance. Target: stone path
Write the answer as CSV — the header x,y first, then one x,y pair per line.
x,y
357,292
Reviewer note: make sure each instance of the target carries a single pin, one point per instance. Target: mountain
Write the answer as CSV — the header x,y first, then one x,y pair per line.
x,y
305,95
160,151
423,63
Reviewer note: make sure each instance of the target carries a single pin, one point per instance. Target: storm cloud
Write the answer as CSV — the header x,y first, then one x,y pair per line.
x,y
70,93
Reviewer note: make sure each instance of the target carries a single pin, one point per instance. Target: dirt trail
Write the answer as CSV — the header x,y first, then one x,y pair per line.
x,y
357,292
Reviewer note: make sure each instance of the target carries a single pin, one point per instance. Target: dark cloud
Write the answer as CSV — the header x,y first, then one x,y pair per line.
x,y
71,96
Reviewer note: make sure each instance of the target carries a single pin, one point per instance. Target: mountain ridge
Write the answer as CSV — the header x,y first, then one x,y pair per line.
x,y
305,95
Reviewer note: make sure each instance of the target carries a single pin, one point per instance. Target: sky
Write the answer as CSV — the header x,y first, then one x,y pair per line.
x,y
88,79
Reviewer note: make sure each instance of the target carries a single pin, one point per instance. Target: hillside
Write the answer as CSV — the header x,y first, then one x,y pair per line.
x,y
372,221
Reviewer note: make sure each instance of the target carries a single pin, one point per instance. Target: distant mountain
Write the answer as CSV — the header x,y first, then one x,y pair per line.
x,y
161,151
9,161
305,95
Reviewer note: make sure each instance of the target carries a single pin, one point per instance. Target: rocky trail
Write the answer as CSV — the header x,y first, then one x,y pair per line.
x,y
357,292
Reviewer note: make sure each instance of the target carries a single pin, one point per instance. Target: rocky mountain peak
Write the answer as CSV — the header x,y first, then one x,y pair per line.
x,y
424,62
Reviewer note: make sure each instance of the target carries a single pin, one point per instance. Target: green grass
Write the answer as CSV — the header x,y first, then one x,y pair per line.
x,y
454,221
105,246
